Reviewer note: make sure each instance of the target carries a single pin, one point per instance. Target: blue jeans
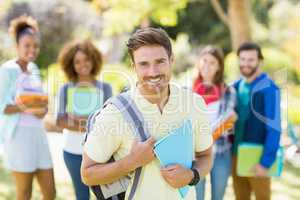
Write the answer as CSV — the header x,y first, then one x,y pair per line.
x,y
218,176
73,163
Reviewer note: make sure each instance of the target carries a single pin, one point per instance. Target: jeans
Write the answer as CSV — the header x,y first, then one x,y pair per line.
x,y
73,163
218,177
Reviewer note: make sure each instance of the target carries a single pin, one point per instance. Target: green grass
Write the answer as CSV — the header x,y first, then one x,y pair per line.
x,y
7,189
285,188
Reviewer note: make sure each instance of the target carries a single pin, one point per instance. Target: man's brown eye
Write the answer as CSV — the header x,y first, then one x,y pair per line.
x,y
143,64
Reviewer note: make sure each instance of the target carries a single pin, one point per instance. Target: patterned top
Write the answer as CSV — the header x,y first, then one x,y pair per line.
x,y
227,104
220,100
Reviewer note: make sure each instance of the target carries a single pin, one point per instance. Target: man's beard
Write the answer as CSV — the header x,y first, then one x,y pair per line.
x,y
249,74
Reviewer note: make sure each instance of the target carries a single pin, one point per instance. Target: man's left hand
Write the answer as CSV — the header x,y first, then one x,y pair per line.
x,y
177,176
260,171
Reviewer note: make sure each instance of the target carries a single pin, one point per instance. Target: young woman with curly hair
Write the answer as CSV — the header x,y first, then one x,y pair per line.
x,y
81,62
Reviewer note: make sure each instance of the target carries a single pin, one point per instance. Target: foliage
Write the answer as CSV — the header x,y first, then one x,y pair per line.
x,y
199,21
282,32
118,76
275,63
59,21
293,102
123,16
183,56
260,8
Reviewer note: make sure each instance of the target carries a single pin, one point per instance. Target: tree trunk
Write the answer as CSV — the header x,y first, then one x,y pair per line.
x,y
239,22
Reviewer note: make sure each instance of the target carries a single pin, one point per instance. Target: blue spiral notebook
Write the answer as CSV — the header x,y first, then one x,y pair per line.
x,y
177,148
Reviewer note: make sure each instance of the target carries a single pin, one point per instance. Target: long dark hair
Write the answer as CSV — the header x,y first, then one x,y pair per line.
x,y
218,54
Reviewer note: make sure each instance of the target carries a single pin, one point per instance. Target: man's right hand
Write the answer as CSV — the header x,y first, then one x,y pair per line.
x,y
142,152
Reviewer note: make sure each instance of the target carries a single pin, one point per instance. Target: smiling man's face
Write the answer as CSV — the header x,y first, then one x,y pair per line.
x,y
153,67
249,62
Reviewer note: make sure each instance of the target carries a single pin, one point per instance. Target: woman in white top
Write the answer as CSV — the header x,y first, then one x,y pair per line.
x,y
83,94
220,102
26,151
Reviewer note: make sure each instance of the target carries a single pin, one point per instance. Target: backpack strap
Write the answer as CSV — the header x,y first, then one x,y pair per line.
x,y
134,117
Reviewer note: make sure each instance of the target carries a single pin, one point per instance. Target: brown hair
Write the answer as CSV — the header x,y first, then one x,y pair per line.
x,y
149,36
250,46
23,25
218,54
67,54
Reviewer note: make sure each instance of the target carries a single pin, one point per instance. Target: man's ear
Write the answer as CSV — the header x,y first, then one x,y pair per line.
x,y
172,59
132,65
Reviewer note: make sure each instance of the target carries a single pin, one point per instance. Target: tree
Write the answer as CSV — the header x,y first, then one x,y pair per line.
x,y
202,25
237,19
58,22
123,16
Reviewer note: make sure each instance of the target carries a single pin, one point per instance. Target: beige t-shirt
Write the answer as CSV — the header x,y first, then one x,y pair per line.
x,y
111,135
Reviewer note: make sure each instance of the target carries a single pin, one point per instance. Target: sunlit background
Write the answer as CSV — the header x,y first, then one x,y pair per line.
x,y
192,24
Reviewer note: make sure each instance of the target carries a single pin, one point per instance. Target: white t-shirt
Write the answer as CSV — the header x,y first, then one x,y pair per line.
x,y
73,141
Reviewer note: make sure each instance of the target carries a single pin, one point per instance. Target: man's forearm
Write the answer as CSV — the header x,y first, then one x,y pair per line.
x,y
203,162
107,173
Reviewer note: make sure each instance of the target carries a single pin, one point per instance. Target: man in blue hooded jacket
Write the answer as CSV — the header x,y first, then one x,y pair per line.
x,y
258,109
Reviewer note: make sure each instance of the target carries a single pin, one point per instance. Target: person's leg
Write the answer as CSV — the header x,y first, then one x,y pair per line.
x,y
200,189
261,188
219,175
46,182
23,185
241,185
73,163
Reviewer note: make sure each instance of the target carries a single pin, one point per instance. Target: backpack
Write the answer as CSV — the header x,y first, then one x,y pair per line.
x,y
130,112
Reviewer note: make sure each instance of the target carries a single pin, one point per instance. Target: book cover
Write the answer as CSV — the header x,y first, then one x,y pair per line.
x,y
82,101
177,148
249,155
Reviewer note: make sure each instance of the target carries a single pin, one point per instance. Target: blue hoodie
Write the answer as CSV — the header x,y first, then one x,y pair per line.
x,y
263,125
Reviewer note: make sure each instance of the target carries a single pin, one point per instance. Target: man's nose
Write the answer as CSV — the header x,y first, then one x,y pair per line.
x,y
154,70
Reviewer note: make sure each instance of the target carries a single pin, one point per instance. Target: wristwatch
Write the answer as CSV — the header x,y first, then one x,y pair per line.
x,y
196,177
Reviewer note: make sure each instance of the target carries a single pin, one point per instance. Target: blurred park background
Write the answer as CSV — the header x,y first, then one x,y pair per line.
x,y
192,24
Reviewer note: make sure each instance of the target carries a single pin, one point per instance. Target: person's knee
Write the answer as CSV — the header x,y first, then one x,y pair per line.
x,y
49,194
24,194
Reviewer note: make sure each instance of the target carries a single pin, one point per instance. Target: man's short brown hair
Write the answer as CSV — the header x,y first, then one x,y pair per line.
x,y
149,36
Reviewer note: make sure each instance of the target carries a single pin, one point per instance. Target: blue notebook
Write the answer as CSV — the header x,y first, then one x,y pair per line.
x,y
177,148
82,101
